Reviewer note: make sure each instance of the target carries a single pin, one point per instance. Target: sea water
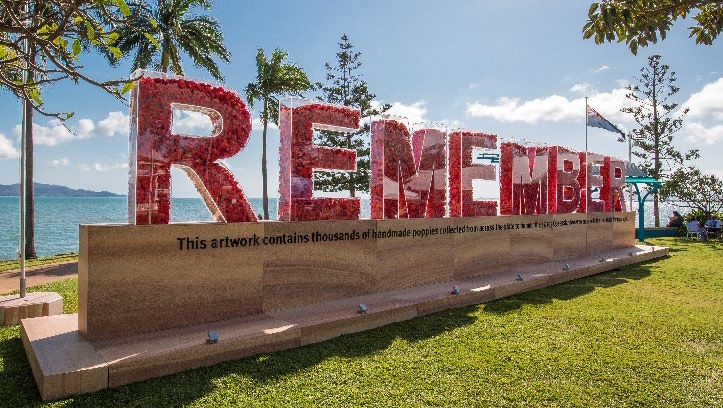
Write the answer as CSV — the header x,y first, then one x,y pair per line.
x,y
57,219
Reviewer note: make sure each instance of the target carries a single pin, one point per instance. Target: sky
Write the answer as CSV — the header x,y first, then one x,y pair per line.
x,y
520,70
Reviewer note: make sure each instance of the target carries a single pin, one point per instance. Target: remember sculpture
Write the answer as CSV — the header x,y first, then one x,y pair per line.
x,y
413,175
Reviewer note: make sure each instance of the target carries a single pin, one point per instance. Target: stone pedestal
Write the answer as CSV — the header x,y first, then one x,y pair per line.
x,y
65,363
35,304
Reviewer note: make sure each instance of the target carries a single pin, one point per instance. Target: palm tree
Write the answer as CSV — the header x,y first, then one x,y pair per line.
x,y
273,78
171,28
29,215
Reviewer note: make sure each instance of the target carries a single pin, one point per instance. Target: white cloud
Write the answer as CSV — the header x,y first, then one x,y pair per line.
x,y
115,123
553,108
58,162
7,150
601,69
708,101
256,124
194,123
452,124
100,167
55,133
583,88
414,113
622,83
85,128
698,133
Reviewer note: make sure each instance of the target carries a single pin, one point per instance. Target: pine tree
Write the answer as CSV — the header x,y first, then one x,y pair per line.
x,y
344,86
654,113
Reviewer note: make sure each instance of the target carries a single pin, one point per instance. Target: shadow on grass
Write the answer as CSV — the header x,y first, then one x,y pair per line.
x,y
187,387
572,289
683,245
17,386
184,388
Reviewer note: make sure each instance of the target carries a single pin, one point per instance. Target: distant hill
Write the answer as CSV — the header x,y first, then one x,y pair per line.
x,y
52,190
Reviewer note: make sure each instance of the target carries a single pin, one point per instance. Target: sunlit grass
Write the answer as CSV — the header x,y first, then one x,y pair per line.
x,y
645,335
8,265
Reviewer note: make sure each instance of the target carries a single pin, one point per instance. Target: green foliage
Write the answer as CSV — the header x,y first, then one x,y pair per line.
x,y
640,22
344,86
642,335
653,112
56,33
166,29
274,78
700,215
694,189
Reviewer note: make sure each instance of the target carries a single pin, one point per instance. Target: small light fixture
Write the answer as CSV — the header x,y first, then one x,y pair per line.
x,y
630,254
362,309
212,337
455,290
603,259
566,267
519,277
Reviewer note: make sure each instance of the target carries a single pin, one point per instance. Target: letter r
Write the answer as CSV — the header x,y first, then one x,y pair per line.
x,y
154,149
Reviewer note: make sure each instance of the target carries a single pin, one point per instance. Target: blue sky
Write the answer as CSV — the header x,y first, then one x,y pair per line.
x,y
517,69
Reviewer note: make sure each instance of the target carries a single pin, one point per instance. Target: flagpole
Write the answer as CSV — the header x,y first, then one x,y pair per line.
x,y
587,169
630,160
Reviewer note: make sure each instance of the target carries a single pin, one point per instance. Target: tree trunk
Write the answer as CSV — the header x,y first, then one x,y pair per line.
x,y
29,166
264,174
165,61
352,181
656,150
29,191
656,209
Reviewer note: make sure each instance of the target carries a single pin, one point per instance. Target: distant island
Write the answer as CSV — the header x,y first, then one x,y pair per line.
x,y
52,190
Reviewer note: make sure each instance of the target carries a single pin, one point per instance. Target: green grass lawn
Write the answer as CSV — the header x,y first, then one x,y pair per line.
x,y
646,335
10,264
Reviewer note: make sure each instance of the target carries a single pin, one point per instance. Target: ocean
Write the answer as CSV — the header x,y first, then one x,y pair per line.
x,y
57,219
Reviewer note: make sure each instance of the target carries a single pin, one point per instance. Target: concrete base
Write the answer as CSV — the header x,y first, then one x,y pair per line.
x,y
66,364
13,308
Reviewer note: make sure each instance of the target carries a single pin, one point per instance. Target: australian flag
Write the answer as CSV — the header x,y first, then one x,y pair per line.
x,y
595,119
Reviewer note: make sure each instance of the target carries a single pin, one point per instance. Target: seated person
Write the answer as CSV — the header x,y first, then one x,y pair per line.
x,y
694,227
675,220
713,226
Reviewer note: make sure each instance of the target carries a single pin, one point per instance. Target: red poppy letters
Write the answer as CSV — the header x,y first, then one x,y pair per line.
x,y
410,173
154,149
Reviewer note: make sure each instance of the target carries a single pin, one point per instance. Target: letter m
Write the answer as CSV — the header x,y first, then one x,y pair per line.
x,y
408,173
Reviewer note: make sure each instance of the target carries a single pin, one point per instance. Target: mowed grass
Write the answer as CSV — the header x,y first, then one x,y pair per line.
x,y
646,335
10,264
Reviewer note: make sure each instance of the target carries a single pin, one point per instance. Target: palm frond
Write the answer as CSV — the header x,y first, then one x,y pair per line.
x,y
178,29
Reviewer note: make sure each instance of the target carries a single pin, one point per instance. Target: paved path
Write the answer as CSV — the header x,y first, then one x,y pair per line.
x,y
38,275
